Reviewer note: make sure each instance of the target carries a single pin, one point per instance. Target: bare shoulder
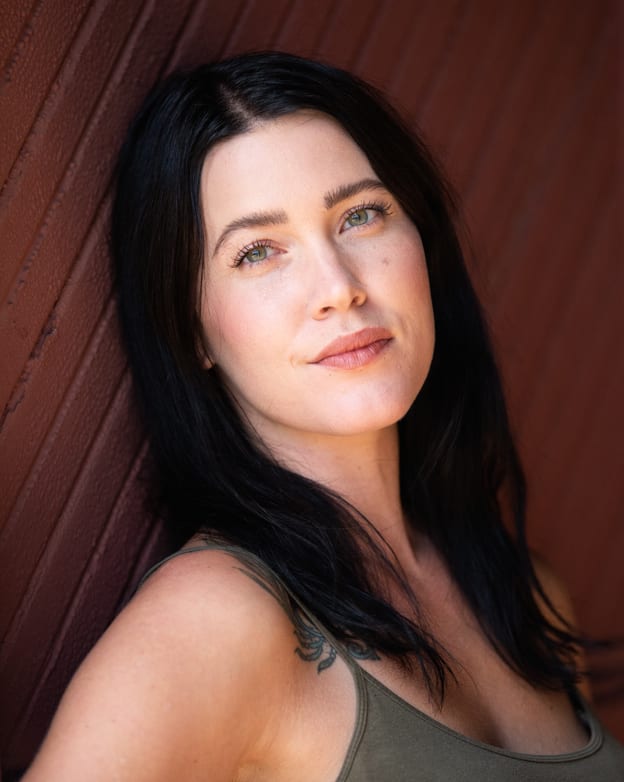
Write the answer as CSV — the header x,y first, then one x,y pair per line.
x,y
212,588
165,693
557,592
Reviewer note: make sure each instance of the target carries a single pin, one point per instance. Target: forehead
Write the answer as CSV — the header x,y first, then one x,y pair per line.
x,y
278,163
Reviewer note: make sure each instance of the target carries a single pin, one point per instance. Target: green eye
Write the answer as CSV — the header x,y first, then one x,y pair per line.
x,y
359,217
256,254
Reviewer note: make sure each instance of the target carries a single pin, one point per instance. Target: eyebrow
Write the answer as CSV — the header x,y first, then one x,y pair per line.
x,y
262,219
254,220
348,191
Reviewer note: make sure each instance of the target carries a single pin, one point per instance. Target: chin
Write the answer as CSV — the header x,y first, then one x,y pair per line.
x,y
367,418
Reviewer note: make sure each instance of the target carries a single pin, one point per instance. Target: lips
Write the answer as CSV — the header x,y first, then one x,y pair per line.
x,y
354,349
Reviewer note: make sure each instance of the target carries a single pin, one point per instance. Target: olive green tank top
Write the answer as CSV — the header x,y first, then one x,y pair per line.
x,y
394,741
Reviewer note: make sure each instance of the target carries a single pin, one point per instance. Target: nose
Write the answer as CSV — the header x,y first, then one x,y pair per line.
x,y
336,286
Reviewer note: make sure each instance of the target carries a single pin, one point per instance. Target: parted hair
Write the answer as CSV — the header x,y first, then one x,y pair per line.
x,y
461,481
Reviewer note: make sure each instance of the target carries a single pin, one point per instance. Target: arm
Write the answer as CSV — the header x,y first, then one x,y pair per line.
x,y
166,693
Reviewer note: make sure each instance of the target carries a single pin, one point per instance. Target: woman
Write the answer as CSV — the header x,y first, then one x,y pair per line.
x,y
334,449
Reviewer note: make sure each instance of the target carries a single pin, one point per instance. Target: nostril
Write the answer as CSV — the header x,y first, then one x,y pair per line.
x,y
359,298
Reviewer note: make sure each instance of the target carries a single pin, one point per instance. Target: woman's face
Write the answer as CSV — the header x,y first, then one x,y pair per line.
x,y
315,302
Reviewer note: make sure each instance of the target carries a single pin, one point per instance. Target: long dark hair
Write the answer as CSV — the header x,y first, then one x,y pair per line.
x,y
459,473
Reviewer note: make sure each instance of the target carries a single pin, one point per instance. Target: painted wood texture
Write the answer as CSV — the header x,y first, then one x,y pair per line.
x,y
522,102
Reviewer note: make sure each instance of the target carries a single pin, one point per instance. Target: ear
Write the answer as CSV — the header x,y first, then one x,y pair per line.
x,y
203,353
204,356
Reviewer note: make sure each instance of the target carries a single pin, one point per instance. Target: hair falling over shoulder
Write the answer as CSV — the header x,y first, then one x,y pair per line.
x,y
460,474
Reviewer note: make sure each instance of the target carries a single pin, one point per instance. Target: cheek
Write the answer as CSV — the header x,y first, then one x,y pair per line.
x,y
403,274
226,332
241,331
219,322
409,279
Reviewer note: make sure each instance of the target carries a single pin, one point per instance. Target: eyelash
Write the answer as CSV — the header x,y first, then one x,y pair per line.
x,y
256,244
383,207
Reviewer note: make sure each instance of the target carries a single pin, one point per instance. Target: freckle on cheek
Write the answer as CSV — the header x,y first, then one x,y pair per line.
x,y
385,261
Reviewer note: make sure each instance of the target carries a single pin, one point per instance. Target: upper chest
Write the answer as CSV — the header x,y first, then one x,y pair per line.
x,y
485,700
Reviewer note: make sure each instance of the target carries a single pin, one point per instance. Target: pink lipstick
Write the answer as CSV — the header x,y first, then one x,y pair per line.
x,y
354,350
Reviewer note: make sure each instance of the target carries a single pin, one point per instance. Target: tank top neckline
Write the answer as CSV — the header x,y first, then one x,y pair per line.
x,y
587,719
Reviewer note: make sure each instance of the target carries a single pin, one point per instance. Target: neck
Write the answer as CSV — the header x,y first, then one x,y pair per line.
x,y
363,469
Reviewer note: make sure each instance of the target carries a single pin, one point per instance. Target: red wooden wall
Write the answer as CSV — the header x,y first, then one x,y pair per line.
x,y
522,101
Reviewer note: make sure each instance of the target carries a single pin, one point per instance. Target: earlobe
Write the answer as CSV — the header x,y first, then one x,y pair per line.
x,y
204,358
203,354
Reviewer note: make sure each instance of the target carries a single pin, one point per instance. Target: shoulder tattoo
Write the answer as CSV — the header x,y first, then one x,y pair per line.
x,y
314,647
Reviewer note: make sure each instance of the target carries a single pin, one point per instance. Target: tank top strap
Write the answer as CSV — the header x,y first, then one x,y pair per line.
x,y
150,572
269,580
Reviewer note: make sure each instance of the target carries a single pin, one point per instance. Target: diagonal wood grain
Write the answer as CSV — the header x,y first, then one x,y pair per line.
x,y
522,101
